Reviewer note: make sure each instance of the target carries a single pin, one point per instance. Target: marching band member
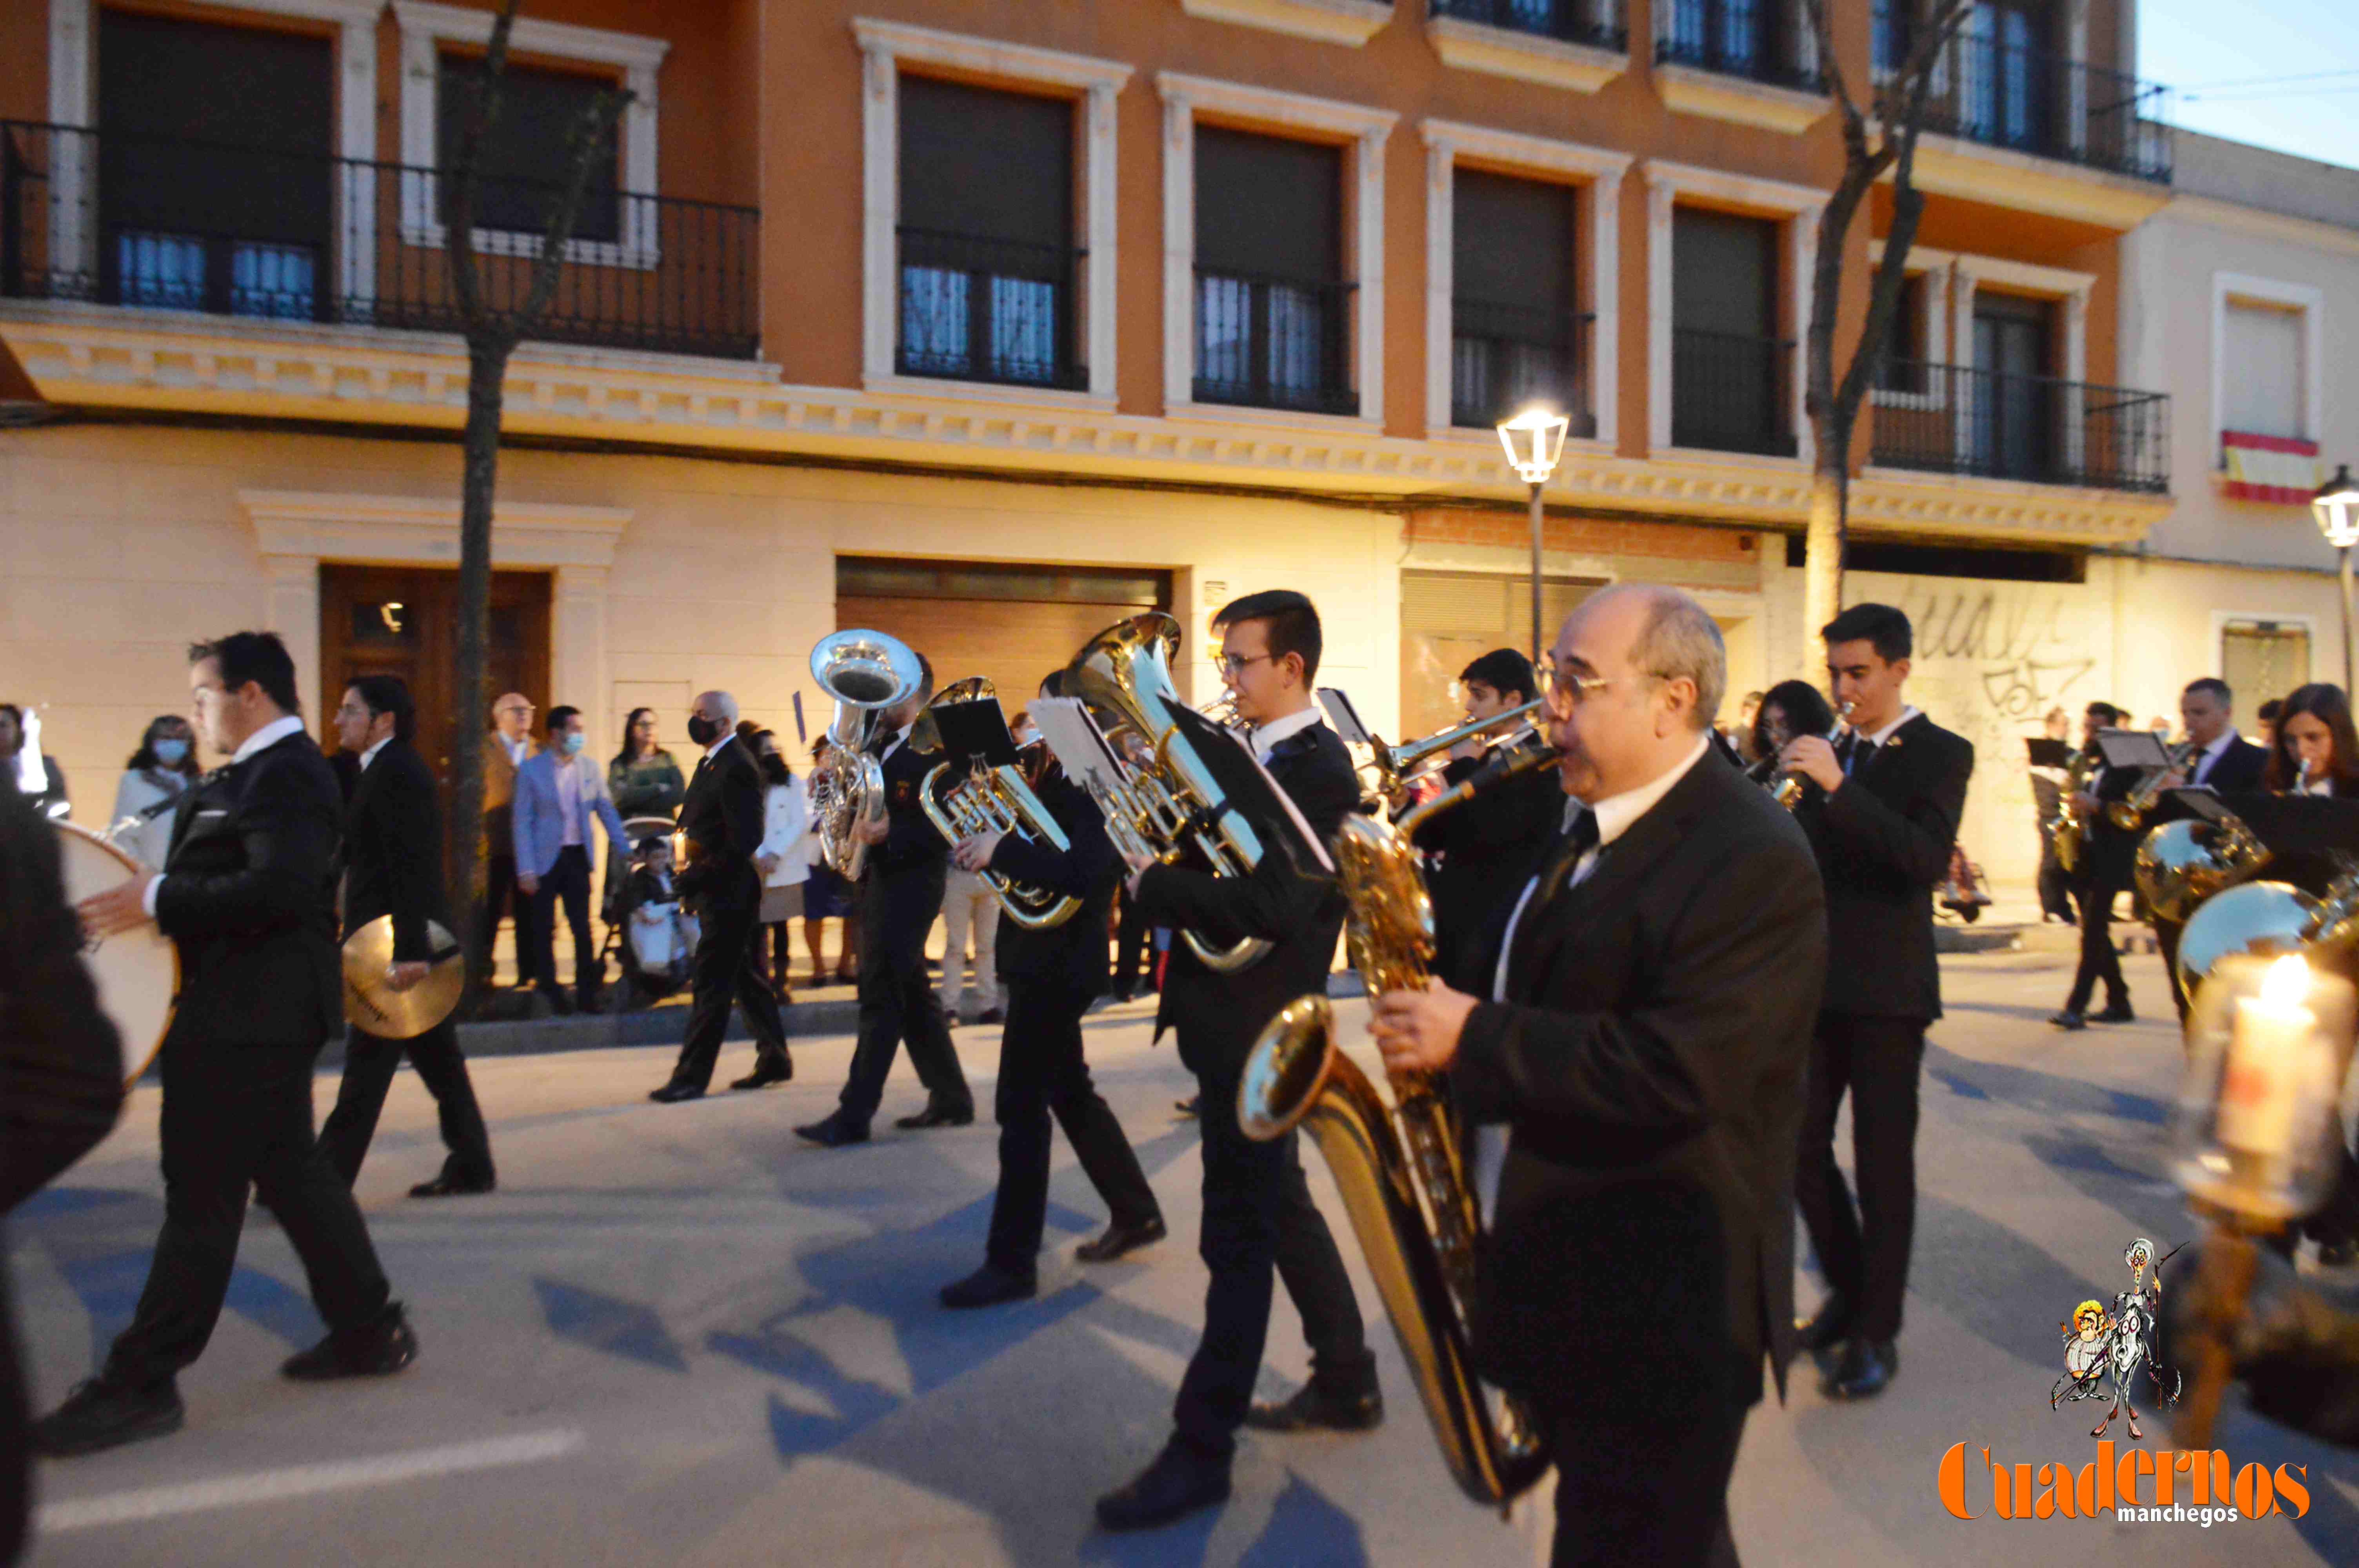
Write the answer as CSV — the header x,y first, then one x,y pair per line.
x,y
2314,752
1260,1220
1052,976
2106,856
1647,1034
2223,761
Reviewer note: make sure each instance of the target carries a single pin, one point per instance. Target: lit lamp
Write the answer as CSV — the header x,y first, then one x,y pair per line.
x,y
2258,1133
1535,440
2336,507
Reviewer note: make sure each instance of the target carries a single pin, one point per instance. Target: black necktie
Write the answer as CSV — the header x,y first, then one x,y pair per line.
x,y
1863,751
1577,841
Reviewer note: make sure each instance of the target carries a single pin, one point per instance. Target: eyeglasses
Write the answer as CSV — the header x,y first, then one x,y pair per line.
x,y
1234,664
1566,691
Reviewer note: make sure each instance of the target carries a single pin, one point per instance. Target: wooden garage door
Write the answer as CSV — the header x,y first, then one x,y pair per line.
x,y
1012,624
1450,618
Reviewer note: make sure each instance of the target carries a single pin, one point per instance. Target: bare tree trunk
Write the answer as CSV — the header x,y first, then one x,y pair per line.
x,y
1823,551
465,848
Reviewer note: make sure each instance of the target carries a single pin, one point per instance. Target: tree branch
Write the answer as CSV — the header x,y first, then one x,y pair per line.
x,y
593,133
483,112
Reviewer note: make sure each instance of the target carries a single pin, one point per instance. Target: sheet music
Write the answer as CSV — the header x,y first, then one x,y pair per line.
x,y
2131,748
1344,716
1079,746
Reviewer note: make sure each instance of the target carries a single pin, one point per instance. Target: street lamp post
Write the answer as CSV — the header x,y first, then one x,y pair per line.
x,y
2336,507
1535,440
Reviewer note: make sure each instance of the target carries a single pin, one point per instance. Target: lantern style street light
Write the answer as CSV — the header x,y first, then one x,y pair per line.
x,y
1535,440
2336,507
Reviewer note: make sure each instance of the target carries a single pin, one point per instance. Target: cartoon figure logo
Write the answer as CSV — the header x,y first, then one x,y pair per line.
x,y
2114,1346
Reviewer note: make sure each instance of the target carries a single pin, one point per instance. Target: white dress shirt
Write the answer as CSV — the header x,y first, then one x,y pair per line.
x,y
2211,755
900,737
370,755
516,749
1265,739
269,735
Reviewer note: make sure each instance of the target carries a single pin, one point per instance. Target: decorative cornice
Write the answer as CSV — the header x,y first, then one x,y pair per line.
x,y
989,57
91,356
1347,22
315,525
1523,151
1950,166
1525,57
1686,90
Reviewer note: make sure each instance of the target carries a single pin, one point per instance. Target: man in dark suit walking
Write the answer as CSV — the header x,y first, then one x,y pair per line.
x,y
393,850
722,819
1259,1223
248,896
2107,857
2224,763
901,884
1645,1037
1882,813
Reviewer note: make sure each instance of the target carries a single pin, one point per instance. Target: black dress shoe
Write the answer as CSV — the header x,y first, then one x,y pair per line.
x,y
2115,1012
589,1003
2067,1018
1313,1409
1180,1482
99,1415
372,1351
765,1074
834,1132
1865,1366
991,1015
1120,1238
449,1186
1192,1107
558,1000
935,1116
672,1094
1826,1328
989,1286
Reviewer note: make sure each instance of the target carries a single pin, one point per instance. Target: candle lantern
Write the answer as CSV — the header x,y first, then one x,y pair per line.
x,y
2258,1132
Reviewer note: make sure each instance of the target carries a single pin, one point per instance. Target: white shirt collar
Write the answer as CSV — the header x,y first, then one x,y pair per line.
x,y
515,747
2227,739
370,755
714,750
1615,813
270,734
1266,737
1907,712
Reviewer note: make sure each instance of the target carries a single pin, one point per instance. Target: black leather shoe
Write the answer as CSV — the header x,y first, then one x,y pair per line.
x,y
935,1116
672,1094
989,1286
991,1015
449,1187
1826,1328
1120,1238
372,1351
833,1133
2067,1018
590,1002
1865,1366
558,1000
765,1074
99,1415
1180,1482
1313,1409
1192,1107
2115,1012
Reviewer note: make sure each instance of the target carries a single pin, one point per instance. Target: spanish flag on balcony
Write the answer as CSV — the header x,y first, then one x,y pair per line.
x,y
2269,468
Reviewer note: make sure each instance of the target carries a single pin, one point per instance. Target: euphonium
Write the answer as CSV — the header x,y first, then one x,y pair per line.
x,y
866,673
1400,1170
2066,829
995,799
1169,807
2182,863
2271,917
2130,810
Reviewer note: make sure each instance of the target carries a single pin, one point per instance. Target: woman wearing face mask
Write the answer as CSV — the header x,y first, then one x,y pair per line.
x,y
165,764
784,860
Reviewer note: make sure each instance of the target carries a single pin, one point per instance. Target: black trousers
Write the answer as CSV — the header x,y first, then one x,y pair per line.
x,y
1651,1494
500,895
568,880
2055,887
897,1004
725,975
1863,1248
1134,946
1041,1073
2098,960
235,1116
369,1064
2166,940
1259,1226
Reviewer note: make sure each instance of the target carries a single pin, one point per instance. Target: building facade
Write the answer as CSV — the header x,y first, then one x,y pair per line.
x,y
985,323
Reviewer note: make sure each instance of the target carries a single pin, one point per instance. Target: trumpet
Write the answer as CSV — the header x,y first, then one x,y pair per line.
x,y
1786,788
994,799
867,673
2130,810
1396,765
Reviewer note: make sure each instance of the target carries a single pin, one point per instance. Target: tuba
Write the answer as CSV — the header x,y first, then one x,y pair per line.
x,y
1170,807
995,799
866,673
2180,864
2271,917
1401,1171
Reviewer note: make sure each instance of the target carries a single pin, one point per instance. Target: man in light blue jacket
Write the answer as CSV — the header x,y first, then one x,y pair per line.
x,y
557,793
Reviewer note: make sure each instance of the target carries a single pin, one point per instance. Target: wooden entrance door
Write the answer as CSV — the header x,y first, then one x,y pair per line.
x,y
403,620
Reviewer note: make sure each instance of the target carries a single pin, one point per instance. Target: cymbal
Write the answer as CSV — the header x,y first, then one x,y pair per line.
x,y
372,1003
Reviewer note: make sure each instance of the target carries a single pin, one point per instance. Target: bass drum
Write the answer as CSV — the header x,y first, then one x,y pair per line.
x,y
137,972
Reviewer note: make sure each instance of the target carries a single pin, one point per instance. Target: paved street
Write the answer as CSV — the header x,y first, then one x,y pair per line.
x,y
677,1335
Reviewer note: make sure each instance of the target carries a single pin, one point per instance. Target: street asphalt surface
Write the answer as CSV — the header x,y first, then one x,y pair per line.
x,y
678,1335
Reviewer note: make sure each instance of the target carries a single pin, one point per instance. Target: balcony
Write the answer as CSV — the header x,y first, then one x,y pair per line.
x,y
974,308
1939,419
1274,342
1729,393
1565,21
1504,358
155,223
1757,41
2029,100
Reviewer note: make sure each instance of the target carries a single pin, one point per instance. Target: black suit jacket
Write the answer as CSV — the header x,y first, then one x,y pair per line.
x,y
393,845
249,899
1073,954
2239,769
1651,1061
1883,843
1483,853
1219,1016
722,819
902,877
2108,853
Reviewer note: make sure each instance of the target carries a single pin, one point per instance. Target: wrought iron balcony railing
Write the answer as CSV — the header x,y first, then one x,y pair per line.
x,y
1568,21
160,223
1730,393
1956,420
1761,40
1274,342
1504,358
2039,101
984,309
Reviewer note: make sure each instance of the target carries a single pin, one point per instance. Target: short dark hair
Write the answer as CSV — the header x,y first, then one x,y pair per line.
x,y
145,757
1805,708
1052,685
1291,618
2326,703
256,656
1502,670
557,715
388,693
2211,685
925,675
2267,712
2112,715
1883,627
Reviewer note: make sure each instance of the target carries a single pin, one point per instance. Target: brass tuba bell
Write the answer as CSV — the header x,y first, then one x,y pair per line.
x,y
2269,917
2180,864
993,799
867,673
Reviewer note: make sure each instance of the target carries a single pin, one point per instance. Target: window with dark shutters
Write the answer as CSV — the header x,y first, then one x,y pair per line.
x,y
1273,309
1729,367
1518,336
529,148
989,272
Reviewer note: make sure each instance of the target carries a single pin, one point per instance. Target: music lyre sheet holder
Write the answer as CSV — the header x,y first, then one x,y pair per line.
x,y
2047,753
2131,748
974,731
1344,716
